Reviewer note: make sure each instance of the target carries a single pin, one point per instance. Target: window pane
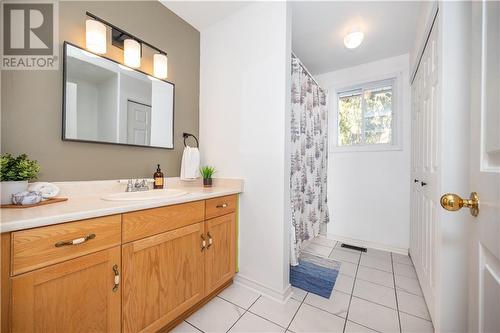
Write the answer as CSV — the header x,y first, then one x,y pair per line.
x,y
378,115
350,120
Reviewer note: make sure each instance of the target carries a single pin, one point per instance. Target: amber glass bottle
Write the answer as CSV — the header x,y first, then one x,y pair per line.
x,y
158,177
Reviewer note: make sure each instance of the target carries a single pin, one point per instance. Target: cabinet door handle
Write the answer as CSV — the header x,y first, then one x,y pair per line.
x,y
203,243
75,241
209,240
415,180
224,205
423,183
117,278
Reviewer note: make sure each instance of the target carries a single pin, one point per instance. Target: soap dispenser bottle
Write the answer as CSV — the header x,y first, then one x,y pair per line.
x,y
158,178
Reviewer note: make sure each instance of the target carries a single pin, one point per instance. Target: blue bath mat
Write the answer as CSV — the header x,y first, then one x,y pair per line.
x,y
315,274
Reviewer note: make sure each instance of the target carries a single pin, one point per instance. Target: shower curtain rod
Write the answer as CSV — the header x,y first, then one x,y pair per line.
x,y
307,71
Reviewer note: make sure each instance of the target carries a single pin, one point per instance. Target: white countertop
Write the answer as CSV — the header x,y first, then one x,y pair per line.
x,y
84,201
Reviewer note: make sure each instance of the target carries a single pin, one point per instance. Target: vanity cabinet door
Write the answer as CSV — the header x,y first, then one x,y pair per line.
x,y
220,253
162,278
77,295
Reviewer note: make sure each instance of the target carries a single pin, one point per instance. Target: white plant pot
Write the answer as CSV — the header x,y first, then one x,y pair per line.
x,y
12,187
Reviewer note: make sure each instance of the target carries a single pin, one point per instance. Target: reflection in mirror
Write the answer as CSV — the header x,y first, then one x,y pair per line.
x,y
111,103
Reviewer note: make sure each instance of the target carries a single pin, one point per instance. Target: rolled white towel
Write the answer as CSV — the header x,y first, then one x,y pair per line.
x,y
190,163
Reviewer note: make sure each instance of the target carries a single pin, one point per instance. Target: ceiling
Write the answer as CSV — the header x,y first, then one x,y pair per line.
x,y
318,29
201,14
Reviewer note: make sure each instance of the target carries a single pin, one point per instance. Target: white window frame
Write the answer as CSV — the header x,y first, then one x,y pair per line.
x,y
397,114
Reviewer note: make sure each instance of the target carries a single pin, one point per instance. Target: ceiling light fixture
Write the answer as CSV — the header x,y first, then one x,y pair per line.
x,y
160,66
353,39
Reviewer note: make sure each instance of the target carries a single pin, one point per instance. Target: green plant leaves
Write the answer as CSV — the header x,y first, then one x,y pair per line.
x,y
18,168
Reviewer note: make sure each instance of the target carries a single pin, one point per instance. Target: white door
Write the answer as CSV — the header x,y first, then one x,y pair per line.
x,y
138,123
485,168
425,169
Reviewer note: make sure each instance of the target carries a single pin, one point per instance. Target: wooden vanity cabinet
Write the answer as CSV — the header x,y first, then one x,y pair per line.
x,y
77,295
136,272
220,254
162,278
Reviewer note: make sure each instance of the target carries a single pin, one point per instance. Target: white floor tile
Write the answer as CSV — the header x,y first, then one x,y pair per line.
x,y
402,259
375,293
320,240
377,253
309,319
376,276
337,304
405,270
252,323
217,315
348,268
320,250
278,313
374,316
239,295
185,328
377,263
351,327
298,294
411,324
408,284
342,255
412,304
344,284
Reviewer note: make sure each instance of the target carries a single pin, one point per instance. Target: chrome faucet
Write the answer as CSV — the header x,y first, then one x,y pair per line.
x,y
138,185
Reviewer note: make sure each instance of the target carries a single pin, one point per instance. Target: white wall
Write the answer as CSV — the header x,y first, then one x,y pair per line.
x,y
369,192
244,107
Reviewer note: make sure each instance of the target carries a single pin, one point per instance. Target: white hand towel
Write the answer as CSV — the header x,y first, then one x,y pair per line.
x,y
190,164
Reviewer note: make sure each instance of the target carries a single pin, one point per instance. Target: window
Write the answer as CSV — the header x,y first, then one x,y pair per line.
x,y
366,115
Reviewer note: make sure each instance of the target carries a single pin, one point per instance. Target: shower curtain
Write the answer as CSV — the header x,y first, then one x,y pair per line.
x,y
309,155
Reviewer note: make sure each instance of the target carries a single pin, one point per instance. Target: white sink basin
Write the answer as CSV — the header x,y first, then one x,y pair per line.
x,y
144,195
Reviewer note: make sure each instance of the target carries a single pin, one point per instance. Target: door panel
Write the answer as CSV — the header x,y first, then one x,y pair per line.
x,y
425,169
485,167
162,278
138,123
73,296
220,253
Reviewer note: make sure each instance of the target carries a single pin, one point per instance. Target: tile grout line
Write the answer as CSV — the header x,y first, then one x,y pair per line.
x,y
196,328
396,293
290,323
352,291
246,310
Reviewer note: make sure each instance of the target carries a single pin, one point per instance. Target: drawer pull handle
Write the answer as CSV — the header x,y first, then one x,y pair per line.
x,y
224,205
75,241
117,278
203,243
209,240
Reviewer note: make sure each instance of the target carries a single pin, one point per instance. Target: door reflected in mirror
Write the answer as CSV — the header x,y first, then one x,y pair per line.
x,y
107,102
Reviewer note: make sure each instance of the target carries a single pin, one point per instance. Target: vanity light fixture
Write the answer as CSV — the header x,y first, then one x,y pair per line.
x,y
95,36
160,66
132,53
353,39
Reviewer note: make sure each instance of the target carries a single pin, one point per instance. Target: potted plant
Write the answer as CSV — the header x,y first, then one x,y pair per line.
x,y
14,174
207,173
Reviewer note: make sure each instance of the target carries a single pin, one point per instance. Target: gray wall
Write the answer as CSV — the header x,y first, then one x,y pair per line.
x,y
32,100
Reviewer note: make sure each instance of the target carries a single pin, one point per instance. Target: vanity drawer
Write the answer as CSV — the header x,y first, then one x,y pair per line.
x,y
220,206
40,247
144,223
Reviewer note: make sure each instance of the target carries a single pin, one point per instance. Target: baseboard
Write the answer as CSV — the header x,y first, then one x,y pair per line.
x,y
372,245
277,295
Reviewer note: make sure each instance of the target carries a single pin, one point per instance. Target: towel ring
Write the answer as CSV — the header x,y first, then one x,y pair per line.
x,y
187,135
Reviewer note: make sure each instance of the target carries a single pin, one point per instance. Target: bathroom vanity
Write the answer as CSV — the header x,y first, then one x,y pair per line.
x,y
138,270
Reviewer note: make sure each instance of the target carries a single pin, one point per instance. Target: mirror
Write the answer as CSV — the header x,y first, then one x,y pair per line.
x,y
107,102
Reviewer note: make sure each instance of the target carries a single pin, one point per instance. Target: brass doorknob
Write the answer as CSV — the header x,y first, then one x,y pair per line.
x,y
453,202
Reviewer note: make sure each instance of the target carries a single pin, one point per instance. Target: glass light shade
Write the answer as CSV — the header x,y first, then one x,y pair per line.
x,y
95,36
132,53
160,66
353,39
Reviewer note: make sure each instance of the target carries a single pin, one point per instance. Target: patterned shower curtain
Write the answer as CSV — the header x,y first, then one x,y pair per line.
x,y
308,177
